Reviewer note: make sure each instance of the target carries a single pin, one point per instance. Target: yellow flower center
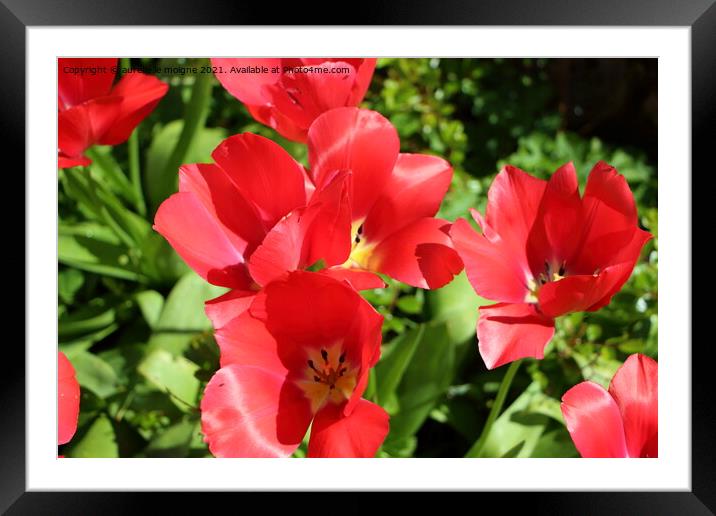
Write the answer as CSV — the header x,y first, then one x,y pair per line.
x,y
328,376
552,272
361,251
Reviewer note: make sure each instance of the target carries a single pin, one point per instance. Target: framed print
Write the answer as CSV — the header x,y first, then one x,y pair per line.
x,y
420,254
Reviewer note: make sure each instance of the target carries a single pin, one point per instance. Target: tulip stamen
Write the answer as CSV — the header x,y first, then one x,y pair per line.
x,y
361,249
359,232
554,272
551,273
328,374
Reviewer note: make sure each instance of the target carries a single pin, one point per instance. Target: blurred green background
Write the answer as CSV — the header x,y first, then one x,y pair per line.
x,y
130,313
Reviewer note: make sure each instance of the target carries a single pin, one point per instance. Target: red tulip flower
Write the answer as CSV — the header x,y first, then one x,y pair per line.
x,y
68,400
544,251
92,111
621,422
387,224
228,217
288,94
300,354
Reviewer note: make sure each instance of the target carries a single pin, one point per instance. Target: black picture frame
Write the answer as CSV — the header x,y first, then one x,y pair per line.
x,y
17,15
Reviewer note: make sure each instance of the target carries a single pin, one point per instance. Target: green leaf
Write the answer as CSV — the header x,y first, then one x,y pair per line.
x,y
86,319
456,304
183,315
103,206
517,431
597,368
123,358
370,389
461,413
94,374
393,363
108,172
94,248
174,441
159,184
69,281
555,443
402,447
98,441
548,406
160,262
173,375
135,226
150,303
411,304
424,381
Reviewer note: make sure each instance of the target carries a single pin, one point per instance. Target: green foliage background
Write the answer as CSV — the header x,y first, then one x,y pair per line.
x,y
130,313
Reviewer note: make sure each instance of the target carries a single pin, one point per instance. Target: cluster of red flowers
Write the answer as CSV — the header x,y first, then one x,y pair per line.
x,y
297,346
295,246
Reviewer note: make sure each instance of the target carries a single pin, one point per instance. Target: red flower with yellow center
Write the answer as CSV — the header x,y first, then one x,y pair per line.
x,y
544,251
253,216
299,356
387,221
364,208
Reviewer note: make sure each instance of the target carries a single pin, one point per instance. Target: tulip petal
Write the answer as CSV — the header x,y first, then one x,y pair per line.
x,y
282,249
635,391
582,293
222,309
305,95
68,162
513,202
224,202
328,237
321,231
414,190
360,434
357,140
508,332
364,74
74,133
492,272
420,254
244,340
309,311
253,412
264,173
68,399
594,422
559,219
248,87
610,233
75,87
200,241
81,126
272,117
359,279
606,186
140,94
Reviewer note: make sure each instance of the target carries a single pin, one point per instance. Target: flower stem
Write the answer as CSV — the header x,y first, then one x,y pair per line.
x,y
101,210
477,448
133,147
133,151
195,114
111,171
